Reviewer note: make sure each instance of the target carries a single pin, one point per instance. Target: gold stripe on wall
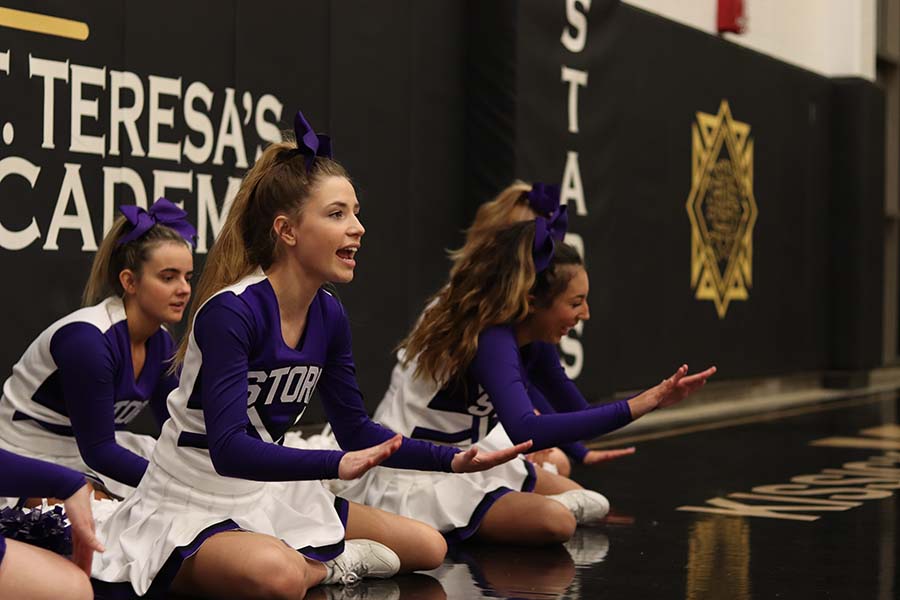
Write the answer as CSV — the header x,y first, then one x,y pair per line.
x,y
46,24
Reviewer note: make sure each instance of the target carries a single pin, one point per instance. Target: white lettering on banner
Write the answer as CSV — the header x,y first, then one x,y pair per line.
x,y
121,115
574,78
574,39
206,208
49,71
113,176
82,107
16,240
80,221
230,133
577,21
266,130
571,347
179,124
198,122
163,181
572,189
159,116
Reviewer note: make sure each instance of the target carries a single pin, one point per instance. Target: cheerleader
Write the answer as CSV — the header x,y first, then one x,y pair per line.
x,y
484,352
225,509
89,374
519,202
27,572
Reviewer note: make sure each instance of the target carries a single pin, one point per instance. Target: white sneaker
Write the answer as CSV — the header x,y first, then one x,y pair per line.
x,y
361,558
587,506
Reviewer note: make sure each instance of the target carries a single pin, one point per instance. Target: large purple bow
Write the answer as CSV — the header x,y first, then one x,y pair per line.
x,y
162,212
547,232
543,198
309,143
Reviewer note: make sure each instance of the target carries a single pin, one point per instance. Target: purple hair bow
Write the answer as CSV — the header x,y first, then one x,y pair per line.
x,y
309,143
547,232
162,212
543,198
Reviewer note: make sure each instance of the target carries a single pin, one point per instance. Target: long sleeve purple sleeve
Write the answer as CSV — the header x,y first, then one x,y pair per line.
x,y
224,335
497,367
575,450
167,382
352,427
553,387
549,376
87,373
20,476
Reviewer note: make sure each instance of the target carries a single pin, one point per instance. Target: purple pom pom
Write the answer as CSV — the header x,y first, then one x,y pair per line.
x,y
46,530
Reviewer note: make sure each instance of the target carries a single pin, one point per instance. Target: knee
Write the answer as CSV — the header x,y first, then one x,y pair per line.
x,y
282,585
431,548
78,586
275,572
556,522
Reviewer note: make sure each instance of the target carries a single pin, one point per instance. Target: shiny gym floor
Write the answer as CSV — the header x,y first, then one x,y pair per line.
x,y
796,503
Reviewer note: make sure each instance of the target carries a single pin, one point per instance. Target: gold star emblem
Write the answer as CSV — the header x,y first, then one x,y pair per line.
x,y
721,208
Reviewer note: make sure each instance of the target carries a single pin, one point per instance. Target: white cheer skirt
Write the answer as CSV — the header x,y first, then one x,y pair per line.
x,y
453,503
165,521
30,440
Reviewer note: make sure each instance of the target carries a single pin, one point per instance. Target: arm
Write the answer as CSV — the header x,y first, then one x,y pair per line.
x,y
166,383
87,373
21,476
548,375
497,367
346,412
574,450
223,334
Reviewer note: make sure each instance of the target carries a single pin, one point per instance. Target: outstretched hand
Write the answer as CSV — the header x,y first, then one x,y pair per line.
x,y
595,457
670,391
355,464
473,459
84,538
679,386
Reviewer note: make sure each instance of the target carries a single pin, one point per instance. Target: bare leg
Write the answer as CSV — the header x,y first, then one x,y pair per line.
x,y
419,546
241,564
30,573
526,518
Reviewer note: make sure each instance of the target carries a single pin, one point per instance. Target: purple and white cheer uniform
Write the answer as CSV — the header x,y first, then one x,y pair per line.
x,y
73,392
503,385
219,464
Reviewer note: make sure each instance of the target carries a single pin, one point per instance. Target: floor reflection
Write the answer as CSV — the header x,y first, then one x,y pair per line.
x,y
483,570
718,564
415,586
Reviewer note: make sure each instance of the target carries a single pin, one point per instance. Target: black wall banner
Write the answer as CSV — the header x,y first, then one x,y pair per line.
x,y
699,178
177,98
699,174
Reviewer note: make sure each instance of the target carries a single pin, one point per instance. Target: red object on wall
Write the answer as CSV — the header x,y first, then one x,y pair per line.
x,y
731,16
